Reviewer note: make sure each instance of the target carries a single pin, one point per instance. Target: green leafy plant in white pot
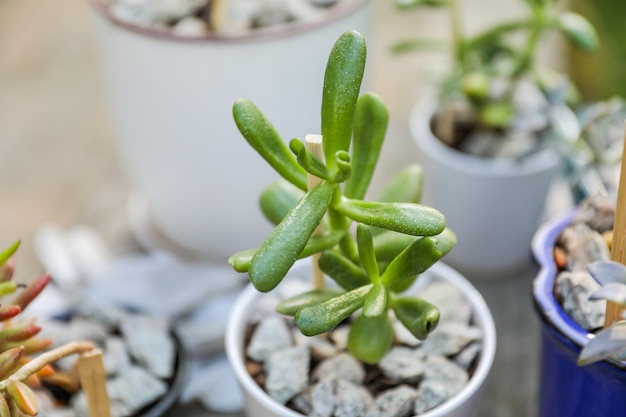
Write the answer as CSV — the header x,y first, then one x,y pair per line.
x,y
373,251
487,137
168,94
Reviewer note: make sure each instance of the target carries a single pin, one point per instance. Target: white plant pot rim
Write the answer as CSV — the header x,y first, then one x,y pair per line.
x,y
236,323
420,128
337,12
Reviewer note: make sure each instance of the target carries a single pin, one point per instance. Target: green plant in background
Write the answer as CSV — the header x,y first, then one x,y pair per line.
x,y
19,370
494,82
610,342
396,238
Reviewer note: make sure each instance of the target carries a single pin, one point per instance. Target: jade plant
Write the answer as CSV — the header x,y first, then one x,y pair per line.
x,y
495,83
609,342
372,250
19,369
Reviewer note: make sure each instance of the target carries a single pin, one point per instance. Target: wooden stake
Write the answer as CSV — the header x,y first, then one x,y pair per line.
x,y
93,382
618,246
313,144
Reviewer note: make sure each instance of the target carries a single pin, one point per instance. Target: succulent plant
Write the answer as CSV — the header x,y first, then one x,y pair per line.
x,y
495,83
19,369
396,238
609,342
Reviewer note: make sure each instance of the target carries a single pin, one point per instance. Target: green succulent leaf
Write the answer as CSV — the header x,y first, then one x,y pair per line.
x,y
263,137
6,254
406,186
417,258
5,411
344,165
409,4
240,261
376,301
578,30
278,199
324,317
390,244
309,162
342,83
417,315
370,126
23,397
10,361
290,306
281,249
370,338
343,271
407,218
367,256
418,44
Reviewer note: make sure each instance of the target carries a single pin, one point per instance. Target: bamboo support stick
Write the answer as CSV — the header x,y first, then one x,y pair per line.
x,y
618,246
313,144
93,382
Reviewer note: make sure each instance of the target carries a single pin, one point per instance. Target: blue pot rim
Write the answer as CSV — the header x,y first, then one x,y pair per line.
x,y
545,302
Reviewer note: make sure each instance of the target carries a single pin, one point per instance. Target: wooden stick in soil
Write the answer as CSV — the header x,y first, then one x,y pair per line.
x,y
313,144
93,381
618,246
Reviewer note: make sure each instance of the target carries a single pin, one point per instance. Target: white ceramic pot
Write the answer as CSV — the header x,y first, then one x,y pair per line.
x,y
170,101
494,206
463,404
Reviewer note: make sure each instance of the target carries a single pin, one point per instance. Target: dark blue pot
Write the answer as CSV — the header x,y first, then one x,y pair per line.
x,y
566,389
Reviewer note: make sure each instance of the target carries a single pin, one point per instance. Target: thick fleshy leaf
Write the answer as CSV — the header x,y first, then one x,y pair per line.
x,y
324,317
417,258
406,186
8,287
605,344
370,338
367,256
278,199
6,254
370,126
390,244
418,44
19,333
407,218
606,272
7,270
615,292
290,306
5,411
417,315
409,4
23,397
281,249
309,162
10,361
375,301
263,138
343,271
342,84
578,30
32,290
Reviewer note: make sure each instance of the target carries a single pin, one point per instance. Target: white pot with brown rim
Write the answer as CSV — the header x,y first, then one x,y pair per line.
x,y
170,100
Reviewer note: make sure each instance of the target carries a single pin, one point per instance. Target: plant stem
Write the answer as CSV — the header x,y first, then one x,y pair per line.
x,y
313,144
497,31
46,358
458,47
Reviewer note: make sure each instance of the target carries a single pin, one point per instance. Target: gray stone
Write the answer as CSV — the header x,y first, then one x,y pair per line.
x,y
598,212
339,336
452,304
302,402
115,356
149,342
109,315
190,26
450,338
323,398
430,394
76,329
351,400
320,347
466,358
343,366
403,364
287,373
165,10
583,246
271,334
216,387
133,389
441,369
395,402
403,336
574,288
